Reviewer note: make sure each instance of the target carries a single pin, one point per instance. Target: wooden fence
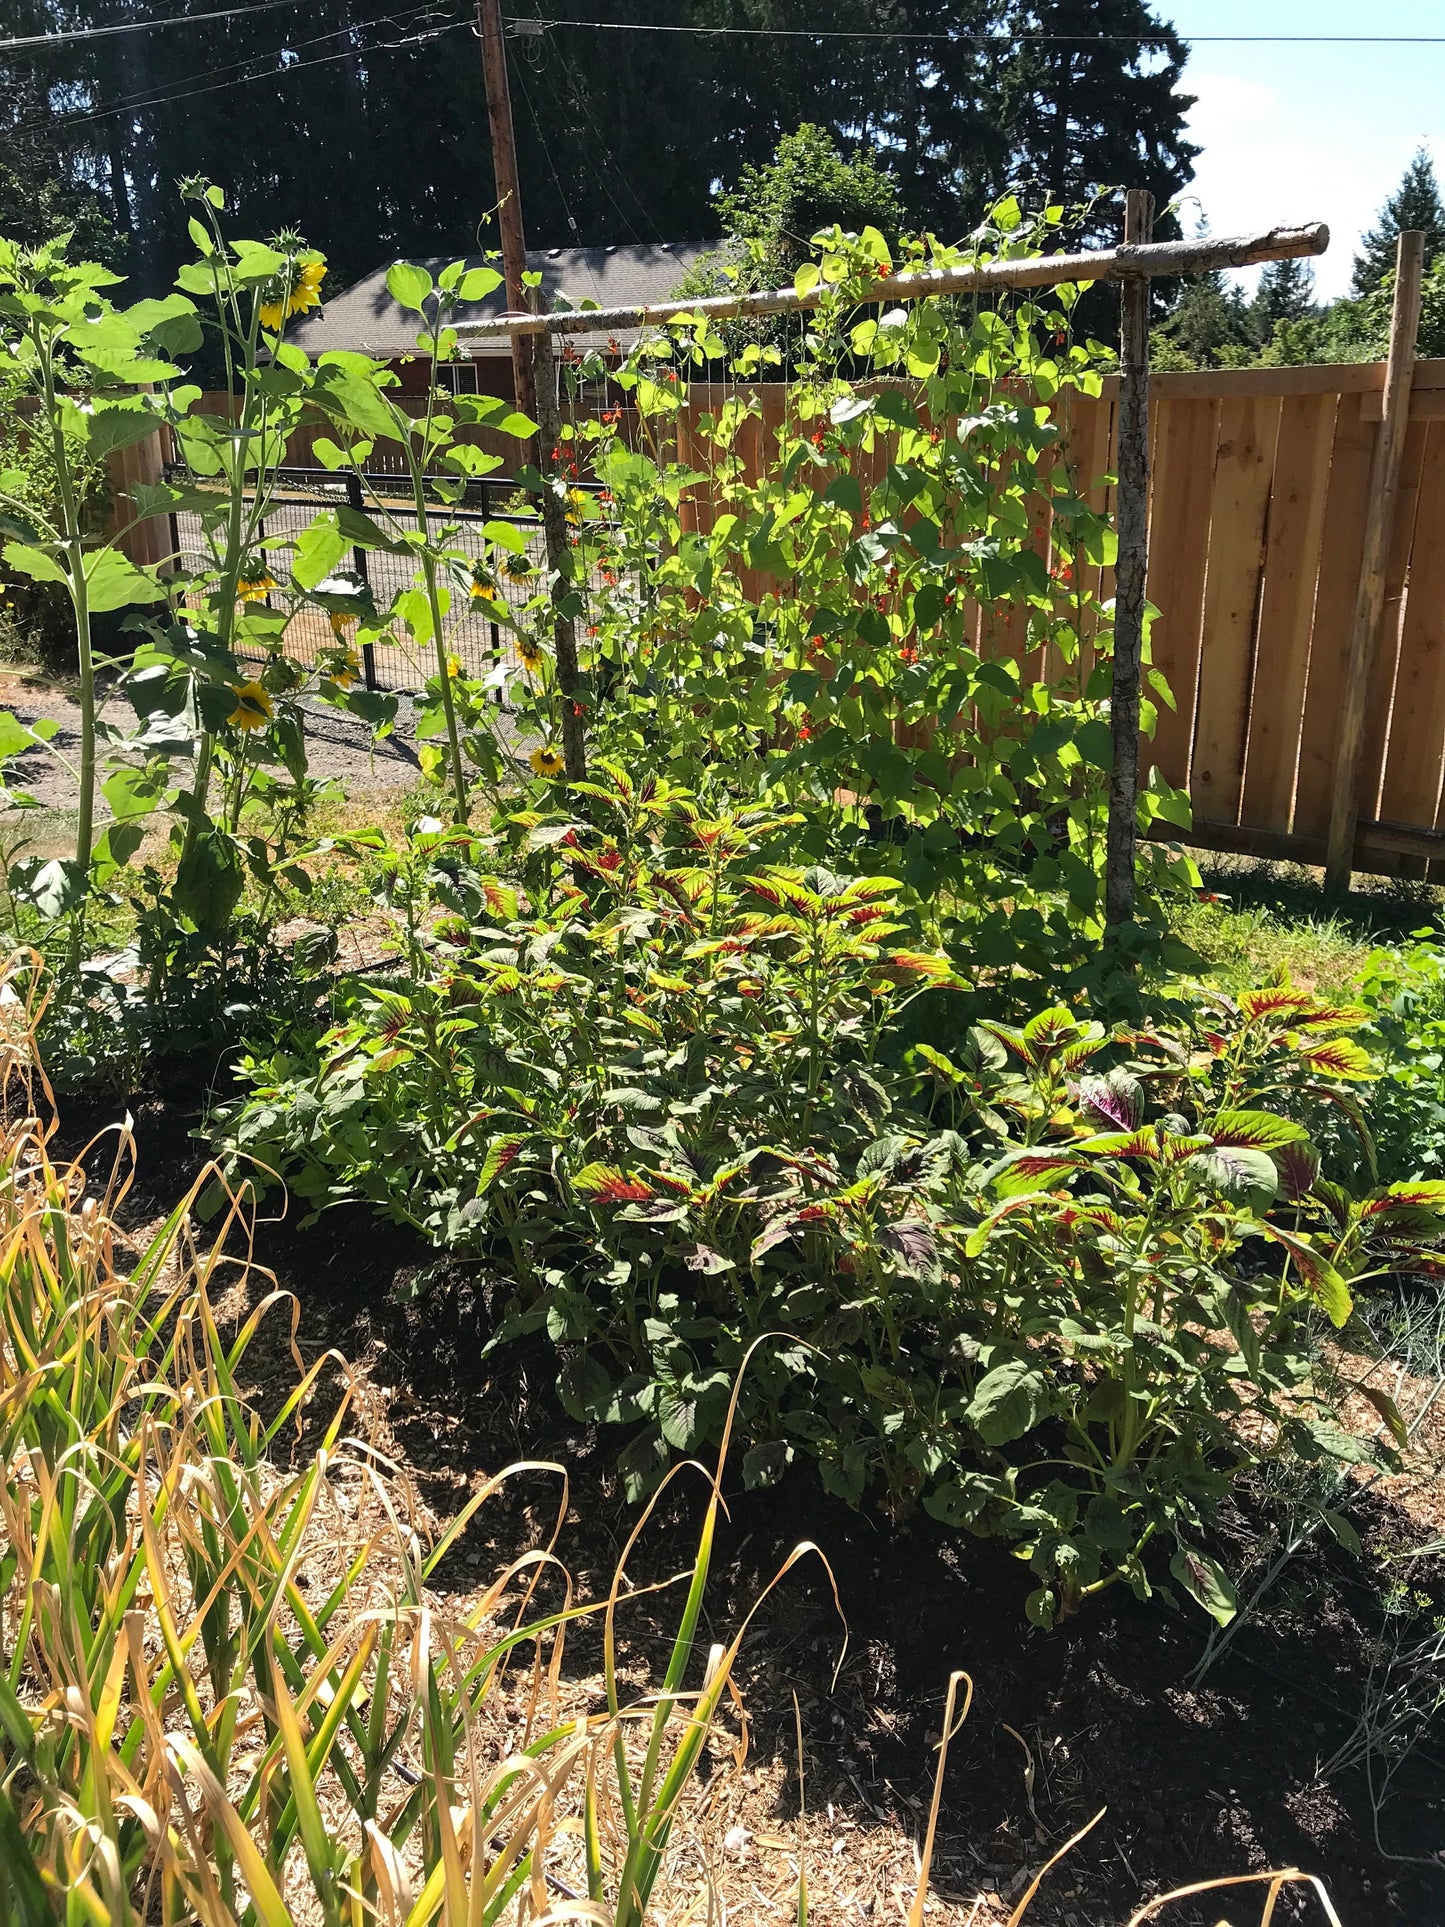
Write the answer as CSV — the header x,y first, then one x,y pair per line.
x,y
1259,495
1258,504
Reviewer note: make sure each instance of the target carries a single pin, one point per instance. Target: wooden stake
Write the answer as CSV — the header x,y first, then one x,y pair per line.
x,y
1131,568
1370,597
509,193
559,559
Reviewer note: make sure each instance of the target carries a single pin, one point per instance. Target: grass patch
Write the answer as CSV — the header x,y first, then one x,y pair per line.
x,y
1253,919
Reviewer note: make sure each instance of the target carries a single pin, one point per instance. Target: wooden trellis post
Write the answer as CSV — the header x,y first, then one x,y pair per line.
x,y
559,557
1130,570
1370,597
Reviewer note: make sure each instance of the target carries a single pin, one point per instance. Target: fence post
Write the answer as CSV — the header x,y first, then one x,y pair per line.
x,y
559,558
141,463
1379,526
1131,568
363,569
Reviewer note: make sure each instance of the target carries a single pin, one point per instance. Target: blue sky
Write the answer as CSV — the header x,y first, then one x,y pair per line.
x,y
1309,133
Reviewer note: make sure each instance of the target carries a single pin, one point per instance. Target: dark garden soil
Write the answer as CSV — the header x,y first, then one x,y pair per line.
x,y
1218,1779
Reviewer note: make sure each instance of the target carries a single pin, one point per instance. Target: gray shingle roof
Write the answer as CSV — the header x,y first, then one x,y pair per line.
x,y
365,317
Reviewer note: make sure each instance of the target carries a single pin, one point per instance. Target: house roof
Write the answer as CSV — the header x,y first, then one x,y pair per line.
x,y
364,317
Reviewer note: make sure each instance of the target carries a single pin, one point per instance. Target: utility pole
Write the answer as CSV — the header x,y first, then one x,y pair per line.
x,y
509,193
534,371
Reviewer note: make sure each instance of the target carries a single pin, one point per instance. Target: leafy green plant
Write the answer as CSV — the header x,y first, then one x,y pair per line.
x,y
897,618
232,1734
1056,1282
81,359
1403,989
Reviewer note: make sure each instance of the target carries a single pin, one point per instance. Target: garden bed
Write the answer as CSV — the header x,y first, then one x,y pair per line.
x,y
1195,1782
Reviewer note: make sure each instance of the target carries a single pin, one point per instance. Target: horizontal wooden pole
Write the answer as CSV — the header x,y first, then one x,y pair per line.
x,y
1148,259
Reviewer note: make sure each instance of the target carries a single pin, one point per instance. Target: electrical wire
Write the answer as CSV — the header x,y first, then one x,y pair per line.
x,y
523,26
579,95
136,104
149,96
71,34
546,148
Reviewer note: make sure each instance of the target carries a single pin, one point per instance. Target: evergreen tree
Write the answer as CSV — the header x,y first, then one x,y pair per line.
x,y
368,129
1414,204
44,187
1098,105
1286,292
1209,327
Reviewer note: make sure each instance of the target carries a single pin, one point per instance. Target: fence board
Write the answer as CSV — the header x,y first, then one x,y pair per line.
x,y
1248,426
1291,568
1178,557
1411,791
1341,548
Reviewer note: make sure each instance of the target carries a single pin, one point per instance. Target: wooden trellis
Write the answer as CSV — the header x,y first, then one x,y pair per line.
x,y
1138,261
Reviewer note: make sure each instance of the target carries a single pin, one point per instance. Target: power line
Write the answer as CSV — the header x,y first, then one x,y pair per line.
x,y
141,104
158,96
139,26
579,96
522,26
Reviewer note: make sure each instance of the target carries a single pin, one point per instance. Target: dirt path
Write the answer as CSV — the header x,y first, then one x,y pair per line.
x,y
338,745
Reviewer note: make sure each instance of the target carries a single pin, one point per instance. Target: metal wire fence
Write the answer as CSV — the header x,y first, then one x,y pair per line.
x,y
481,642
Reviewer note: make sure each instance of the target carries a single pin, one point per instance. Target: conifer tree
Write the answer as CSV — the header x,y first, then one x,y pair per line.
x,y
1415,203
1096,103
1286,292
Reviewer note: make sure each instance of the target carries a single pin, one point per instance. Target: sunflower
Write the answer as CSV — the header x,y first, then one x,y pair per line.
x,y
341,626
344,673
294,296
576,501
482,587
255,583
253,706
532,654
547,761
518,568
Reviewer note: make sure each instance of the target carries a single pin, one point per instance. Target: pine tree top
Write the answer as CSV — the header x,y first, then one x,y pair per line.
x,y
1416,203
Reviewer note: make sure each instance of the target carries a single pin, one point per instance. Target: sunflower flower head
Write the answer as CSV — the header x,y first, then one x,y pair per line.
x,y
483,586
547,761
341,626
518,568
532,654
296,289
255,582
344,671
253,706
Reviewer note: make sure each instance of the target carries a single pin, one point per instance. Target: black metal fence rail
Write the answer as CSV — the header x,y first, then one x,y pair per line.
x,y
483,644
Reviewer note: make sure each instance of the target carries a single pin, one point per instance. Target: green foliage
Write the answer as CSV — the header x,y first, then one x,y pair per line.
x,y
214,744
772,210
1089,102
1359,330
1050,1280
1415,203
896,625
1404,991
